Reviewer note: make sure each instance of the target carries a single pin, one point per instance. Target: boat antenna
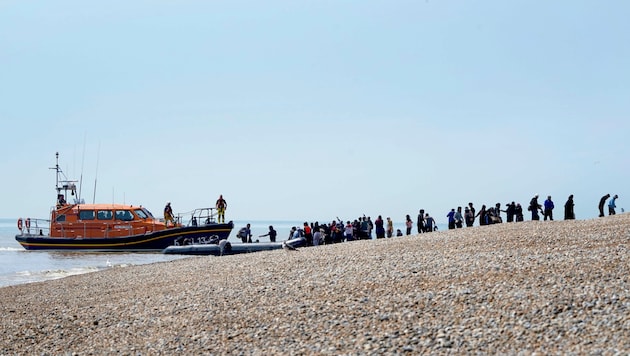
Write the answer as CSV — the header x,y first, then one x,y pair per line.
x,y
57,171
82,165
98,153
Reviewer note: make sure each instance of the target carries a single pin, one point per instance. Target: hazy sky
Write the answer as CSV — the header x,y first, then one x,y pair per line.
x,y
308,110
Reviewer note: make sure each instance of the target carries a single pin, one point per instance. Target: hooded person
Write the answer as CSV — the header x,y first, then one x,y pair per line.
x,y
602,202
534,207
569,213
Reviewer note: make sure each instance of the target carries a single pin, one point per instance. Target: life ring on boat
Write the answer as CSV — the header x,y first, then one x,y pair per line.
x,y
27,223
19,224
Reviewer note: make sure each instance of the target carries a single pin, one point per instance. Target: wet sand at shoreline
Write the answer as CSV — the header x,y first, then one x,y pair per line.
x,y
530,287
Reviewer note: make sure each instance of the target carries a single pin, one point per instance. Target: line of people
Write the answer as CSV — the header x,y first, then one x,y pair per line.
x,y
514,211
362,227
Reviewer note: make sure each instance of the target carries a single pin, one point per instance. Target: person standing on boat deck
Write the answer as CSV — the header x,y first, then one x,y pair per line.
x,y
168,214
221,205
61,201
272,234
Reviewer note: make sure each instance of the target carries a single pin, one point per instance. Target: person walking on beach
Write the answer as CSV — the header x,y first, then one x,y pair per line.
x,y
548,213
390,227
611,205
569,214
421,221
221,205
497,214
534,207
469,216
409,224
317,237
458,218
510,211
482,215
168,214
518,212
451,219
602,201
348,231
380,228
365,228
308,234
472,211
429,223
272,234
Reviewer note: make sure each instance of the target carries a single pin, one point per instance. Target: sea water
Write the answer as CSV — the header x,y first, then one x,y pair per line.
x,y
18,266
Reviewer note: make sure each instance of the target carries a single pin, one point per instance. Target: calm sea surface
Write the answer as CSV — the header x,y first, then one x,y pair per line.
x,y
19,266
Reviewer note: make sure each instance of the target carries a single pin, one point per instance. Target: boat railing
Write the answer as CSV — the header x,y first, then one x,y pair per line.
x,y
202,216
35,227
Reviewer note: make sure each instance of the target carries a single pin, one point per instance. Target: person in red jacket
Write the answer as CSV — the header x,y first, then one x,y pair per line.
x,y
308,234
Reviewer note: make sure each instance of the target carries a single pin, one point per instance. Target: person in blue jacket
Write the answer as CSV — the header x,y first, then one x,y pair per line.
x,y
548,212
611,205
451,219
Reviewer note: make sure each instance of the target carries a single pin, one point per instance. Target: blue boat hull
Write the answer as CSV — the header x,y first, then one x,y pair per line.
x,y
154,241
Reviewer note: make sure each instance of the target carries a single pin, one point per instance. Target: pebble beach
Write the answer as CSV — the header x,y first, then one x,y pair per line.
x,y
535,287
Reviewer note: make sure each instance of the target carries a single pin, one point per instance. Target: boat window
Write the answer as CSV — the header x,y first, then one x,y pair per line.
x,y
104,215
141,213
60,218
124,215
86,215
148,213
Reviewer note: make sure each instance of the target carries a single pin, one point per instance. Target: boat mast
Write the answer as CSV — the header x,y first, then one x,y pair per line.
x,y
64,185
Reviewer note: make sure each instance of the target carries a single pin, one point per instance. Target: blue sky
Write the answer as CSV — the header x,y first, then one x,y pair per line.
x,y
308,110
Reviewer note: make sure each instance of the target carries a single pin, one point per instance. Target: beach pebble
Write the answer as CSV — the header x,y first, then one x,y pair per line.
x,y
534,287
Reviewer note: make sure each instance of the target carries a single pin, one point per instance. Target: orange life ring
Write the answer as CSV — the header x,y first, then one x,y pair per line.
x,y
19,224
27,223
